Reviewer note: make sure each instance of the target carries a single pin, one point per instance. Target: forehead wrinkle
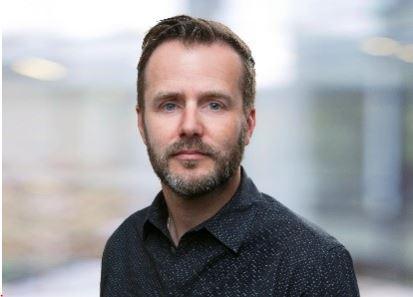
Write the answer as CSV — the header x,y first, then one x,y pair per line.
x,y
214,71
166,94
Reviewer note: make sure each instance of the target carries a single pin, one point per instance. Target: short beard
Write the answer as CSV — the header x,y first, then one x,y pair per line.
x,y
226,164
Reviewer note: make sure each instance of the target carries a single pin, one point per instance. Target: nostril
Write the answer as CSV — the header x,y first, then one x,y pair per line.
x,y
191,123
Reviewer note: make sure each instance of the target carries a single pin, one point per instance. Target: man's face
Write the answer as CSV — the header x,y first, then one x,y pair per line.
x,y
193,123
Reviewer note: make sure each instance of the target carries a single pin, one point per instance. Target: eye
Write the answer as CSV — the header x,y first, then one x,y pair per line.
x,y
169,106
215,106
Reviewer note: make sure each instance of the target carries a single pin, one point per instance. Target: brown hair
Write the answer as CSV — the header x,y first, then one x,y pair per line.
x,y
195,30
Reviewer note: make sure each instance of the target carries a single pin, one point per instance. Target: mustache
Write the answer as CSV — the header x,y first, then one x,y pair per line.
x,y
194,143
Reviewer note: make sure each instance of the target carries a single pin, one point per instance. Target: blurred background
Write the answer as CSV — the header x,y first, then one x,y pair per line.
x,y
334,138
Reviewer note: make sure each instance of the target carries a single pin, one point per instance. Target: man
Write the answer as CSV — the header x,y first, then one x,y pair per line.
x,y
210,232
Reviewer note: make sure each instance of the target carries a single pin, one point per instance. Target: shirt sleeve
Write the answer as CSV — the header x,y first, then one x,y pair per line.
x,y
333,275
113,278
110,285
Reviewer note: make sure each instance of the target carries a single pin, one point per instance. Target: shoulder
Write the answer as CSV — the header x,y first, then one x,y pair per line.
x,y
117,253
120,246
291,233
315,262
129,230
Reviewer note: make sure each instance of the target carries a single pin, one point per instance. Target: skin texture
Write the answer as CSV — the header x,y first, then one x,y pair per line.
x,y
194,122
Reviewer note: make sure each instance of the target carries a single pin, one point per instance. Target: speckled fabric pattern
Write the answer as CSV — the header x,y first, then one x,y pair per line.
x,y
254,246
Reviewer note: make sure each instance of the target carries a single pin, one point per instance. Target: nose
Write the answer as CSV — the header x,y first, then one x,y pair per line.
x,y
191,124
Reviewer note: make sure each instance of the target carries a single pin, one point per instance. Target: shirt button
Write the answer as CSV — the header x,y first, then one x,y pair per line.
x,y
173,250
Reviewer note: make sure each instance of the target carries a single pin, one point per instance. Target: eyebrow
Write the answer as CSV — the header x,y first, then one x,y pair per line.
x,y
161,96
216,94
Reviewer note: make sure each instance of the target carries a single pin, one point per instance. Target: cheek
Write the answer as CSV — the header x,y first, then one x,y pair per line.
x,y
159,132
226,132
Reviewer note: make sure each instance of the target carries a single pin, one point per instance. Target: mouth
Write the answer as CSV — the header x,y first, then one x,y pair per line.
x,y
189,155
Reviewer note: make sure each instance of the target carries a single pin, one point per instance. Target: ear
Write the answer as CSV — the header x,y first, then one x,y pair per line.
x,y
141,124
250,116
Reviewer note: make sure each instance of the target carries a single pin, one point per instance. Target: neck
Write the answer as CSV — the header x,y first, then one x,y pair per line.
x,y
186,214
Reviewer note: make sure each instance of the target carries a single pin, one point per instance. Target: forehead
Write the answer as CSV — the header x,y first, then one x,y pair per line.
x,y
176,64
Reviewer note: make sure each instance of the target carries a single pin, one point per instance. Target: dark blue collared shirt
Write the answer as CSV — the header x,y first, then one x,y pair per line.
x,y
254,246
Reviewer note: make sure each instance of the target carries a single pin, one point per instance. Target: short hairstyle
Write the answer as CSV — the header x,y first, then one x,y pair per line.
x,y
191,30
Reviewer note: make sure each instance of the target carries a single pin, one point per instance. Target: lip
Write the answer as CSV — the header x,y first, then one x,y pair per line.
x,y
189,155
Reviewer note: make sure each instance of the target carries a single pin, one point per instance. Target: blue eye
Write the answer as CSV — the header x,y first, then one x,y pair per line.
x,y
215,106
169,106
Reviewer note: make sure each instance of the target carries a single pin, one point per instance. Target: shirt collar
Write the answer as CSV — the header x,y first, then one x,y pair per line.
x,y
156,216
230,225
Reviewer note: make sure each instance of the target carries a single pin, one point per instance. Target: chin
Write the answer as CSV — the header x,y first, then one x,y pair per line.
x,y
193,167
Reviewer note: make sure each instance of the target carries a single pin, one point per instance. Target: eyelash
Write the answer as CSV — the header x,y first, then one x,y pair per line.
x,y
164,106
219,106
